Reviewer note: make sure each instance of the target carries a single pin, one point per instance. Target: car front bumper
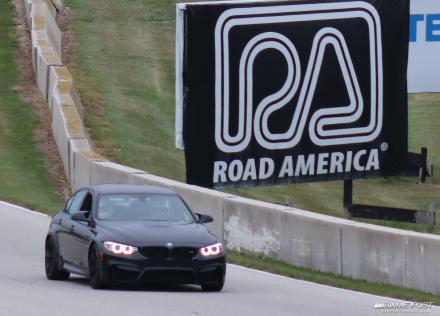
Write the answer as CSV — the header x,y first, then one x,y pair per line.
x,y
139,269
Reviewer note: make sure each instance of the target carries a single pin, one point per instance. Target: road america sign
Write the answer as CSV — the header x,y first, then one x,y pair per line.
x,y
276,92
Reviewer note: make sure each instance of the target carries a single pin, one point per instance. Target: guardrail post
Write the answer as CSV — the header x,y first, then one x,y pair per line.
x,y
348,197
431,216
424,164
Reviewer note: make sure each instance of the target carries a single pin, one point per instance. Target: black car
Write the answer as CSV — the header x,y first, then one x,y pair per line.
x,y
133,234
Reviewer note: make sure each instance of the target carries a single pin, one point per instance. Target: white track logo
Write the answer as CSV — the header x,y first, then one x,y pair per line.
x,y
257,123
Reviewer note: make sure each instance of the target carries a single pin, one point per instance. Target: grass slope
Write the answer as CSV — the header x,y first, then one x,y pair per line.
x,y
125,70
23,177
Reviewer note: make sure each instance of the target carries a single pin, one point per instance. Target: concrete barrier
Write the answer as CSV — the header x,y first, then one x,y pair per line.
x,y
59,130
53,31
66,126
311,240
389,255
39,38
73,121
42,18
423,263
110,172
82,168
374,254
156,180
60,82
75,146
28,9
59,100
253,226
46,43
37,15
46,58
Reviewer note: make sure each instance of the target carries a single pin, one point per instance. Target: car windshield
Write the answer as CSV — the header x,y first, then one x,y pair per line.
x,y
143,207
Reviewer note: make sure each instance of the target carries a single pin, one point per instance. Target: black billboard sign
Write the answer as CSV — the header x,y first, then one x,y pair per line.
x,y
291,91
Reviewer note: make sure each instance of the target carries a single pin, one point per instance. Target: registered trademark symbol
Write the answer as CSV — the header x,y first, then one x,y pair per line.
x,y
384,146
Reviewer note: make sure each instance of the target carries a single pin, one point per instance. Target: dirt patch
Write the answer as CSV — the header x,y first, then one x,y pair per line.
x,y
64,19
28,92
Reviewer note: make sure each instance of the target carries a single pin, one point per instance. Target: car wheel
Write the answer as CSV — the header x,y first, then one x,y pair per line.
x,y
215,286
51,262
96,279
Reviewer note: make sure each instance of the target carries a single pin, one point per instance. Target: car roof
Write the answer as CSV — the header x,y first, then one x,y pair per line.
x,y
128,188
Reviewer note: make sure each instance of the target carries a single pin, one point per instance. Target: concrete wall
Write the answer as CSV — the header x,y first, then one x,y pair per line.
x,y
67,126
82,168
299,237
42,17
311,240
28,9
53,31
109,172
75,146
59,83
45,59
373,254
422,263
252,226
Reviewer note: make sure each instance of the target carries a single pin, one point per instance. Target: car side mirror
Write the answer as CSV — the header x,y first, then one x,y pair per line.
x,y
81,216
203,219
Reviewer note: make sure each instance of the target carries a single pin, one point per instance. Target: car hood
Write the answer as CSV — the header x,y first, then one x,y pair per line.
x,y
138,234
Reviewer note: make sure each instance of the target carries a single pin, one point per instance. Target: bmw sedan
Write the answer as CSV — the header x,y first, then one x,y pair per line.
x,y
133,234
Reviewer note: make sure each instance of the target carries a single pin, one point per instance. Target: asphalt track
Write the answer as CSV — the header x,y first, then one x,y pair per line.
x,y
24,289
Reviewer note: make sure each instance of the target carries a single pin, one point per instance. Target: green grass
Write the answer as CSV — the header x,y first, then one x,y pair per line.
x,y
23,177
129,69
124,67
282,268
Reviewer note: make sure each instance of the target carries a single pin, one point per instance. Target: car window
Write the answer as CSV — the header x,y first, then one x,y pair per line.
x,y
144,207
68,204
77,202
87,203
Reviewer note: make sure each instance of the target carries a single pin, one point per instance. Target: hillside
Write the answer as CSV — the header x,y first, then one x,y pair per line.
x,y
24,134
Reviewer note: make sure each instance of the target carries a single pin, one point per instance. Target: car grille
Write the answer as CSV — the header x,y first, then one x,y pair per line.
x,y
169,277
158,253
121,275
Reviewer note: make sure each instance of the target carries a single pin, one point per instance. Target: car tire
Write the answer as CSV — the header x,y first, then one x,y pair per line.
x,y
52,262
96,279
215,286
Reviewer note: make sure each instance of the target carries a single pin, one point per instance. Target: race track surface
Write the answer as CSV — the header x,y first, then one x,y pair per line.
x,y
24,289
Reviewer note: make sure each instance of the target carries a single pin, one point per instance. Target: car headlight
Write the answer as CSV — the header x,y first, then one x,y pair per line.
x,y
211,251
119,249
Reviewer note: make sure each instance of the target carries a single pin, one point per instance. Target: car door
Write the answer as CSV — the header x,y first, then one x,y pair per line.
x,y
83,233
63,222
66,237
